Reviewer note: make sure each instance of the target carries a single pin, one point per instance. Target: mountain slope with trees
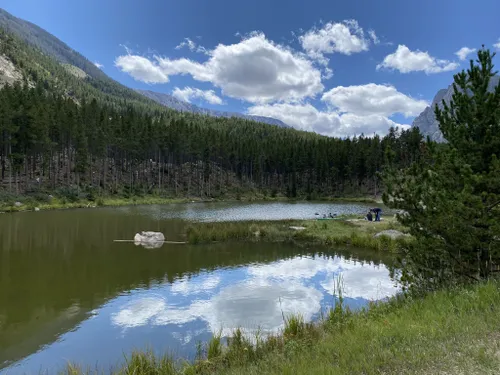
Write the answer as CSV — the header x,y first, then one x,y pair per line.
x,y
170,101
40,56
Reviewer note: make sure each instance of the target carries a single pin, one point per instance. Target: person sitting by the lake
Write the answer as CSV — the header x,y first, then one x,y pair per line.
x,y
330,216
378,212
369,216
324,216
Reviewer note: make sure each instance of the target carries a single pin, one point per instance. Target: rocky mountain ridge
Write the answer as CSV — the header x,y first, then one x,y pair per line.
x,y
427,122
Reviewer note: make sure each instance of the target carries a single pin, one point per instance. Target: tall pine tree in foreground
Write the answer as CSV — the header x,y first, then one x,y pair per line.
x,y
451,197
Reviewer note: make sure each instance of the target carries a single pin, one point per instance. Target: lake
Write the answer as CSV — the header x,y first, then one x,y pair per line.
x,y
68,293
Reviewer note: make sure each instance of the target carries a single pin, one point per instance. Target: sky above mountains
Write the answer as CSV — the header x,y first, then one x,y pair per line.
x,y
338,68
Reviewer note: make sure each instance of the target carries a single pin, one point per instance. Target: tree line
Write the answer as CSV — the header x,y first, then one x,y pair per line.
x,y
49,141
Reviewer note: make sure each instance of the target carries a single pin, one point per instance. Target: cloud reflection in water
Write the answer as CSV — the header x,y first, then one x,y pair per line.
x,y
257,300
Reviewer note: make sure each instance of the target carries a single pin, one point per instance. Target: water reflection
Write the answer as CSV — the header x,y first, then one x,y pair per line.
x,y
360,280
225,211
256,297
248,305
69,293
186,287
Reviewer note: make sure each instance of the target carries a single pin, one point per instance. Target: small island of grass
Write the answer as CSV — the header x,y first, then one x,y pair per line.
x,y
347,230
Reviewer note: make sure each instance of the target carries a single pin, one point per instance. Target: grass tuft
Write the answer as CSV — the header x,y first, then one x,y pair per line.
x,y
147,363
294,326
214,348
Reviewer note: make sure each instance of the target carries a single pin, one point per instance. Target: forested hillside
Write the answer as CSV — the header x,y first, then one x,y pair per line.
x,y
63,78
66,133
172,102
50,142
47,43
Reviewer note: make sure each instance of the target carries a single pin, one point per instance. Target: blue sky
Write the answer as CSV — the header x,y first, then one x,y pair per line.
x,y
337,68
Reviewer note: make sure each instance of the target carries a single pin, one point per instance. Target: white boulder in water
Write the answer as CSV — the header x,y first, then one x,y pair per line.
x,y
150,240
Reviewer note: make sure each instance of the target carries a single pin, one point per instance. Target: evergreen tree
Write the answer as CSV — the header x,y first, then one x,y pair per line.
x,y
451,197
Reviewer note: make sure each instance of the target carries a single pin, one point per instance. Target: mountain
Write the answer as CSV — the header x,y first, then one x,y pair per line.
x,y
28,51
427,122
180,105
91,81
48,44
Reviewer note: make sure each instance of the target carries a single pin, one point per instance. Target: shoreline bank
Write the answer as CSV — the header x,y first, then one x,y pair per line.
x,y
26,203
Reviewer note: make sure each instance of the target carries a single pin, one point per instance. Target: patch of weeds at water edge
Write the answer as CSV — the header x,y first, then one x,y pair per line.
x,y
238,230
148,363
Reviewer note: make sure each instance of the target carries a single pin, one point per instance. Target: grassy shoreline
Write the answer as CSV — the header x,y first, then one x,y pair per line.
x,y
348,230
55,203
446,332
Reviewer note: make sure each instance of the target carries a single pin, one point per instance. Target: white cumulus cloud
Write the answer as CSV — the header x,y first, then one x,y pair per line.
x,y
344,37
497,44
463,52
373,99
189,93
304,116
100,66
301,116
255,69
406,61
352,110
141,69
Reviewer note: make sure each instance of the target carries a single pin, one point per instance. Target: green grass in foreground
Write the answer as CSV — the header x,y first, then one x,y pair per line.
x,y
447,332
354,232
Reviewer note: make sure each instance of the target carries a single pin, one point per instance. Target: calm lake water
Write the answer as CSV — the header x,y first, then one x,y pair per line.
x,y
68,293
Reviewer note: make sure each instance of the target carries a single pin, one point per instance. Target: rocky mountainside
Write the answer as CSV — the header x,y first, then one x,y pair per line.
x,y
48,44
427,122
180,105
29,52
8,72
